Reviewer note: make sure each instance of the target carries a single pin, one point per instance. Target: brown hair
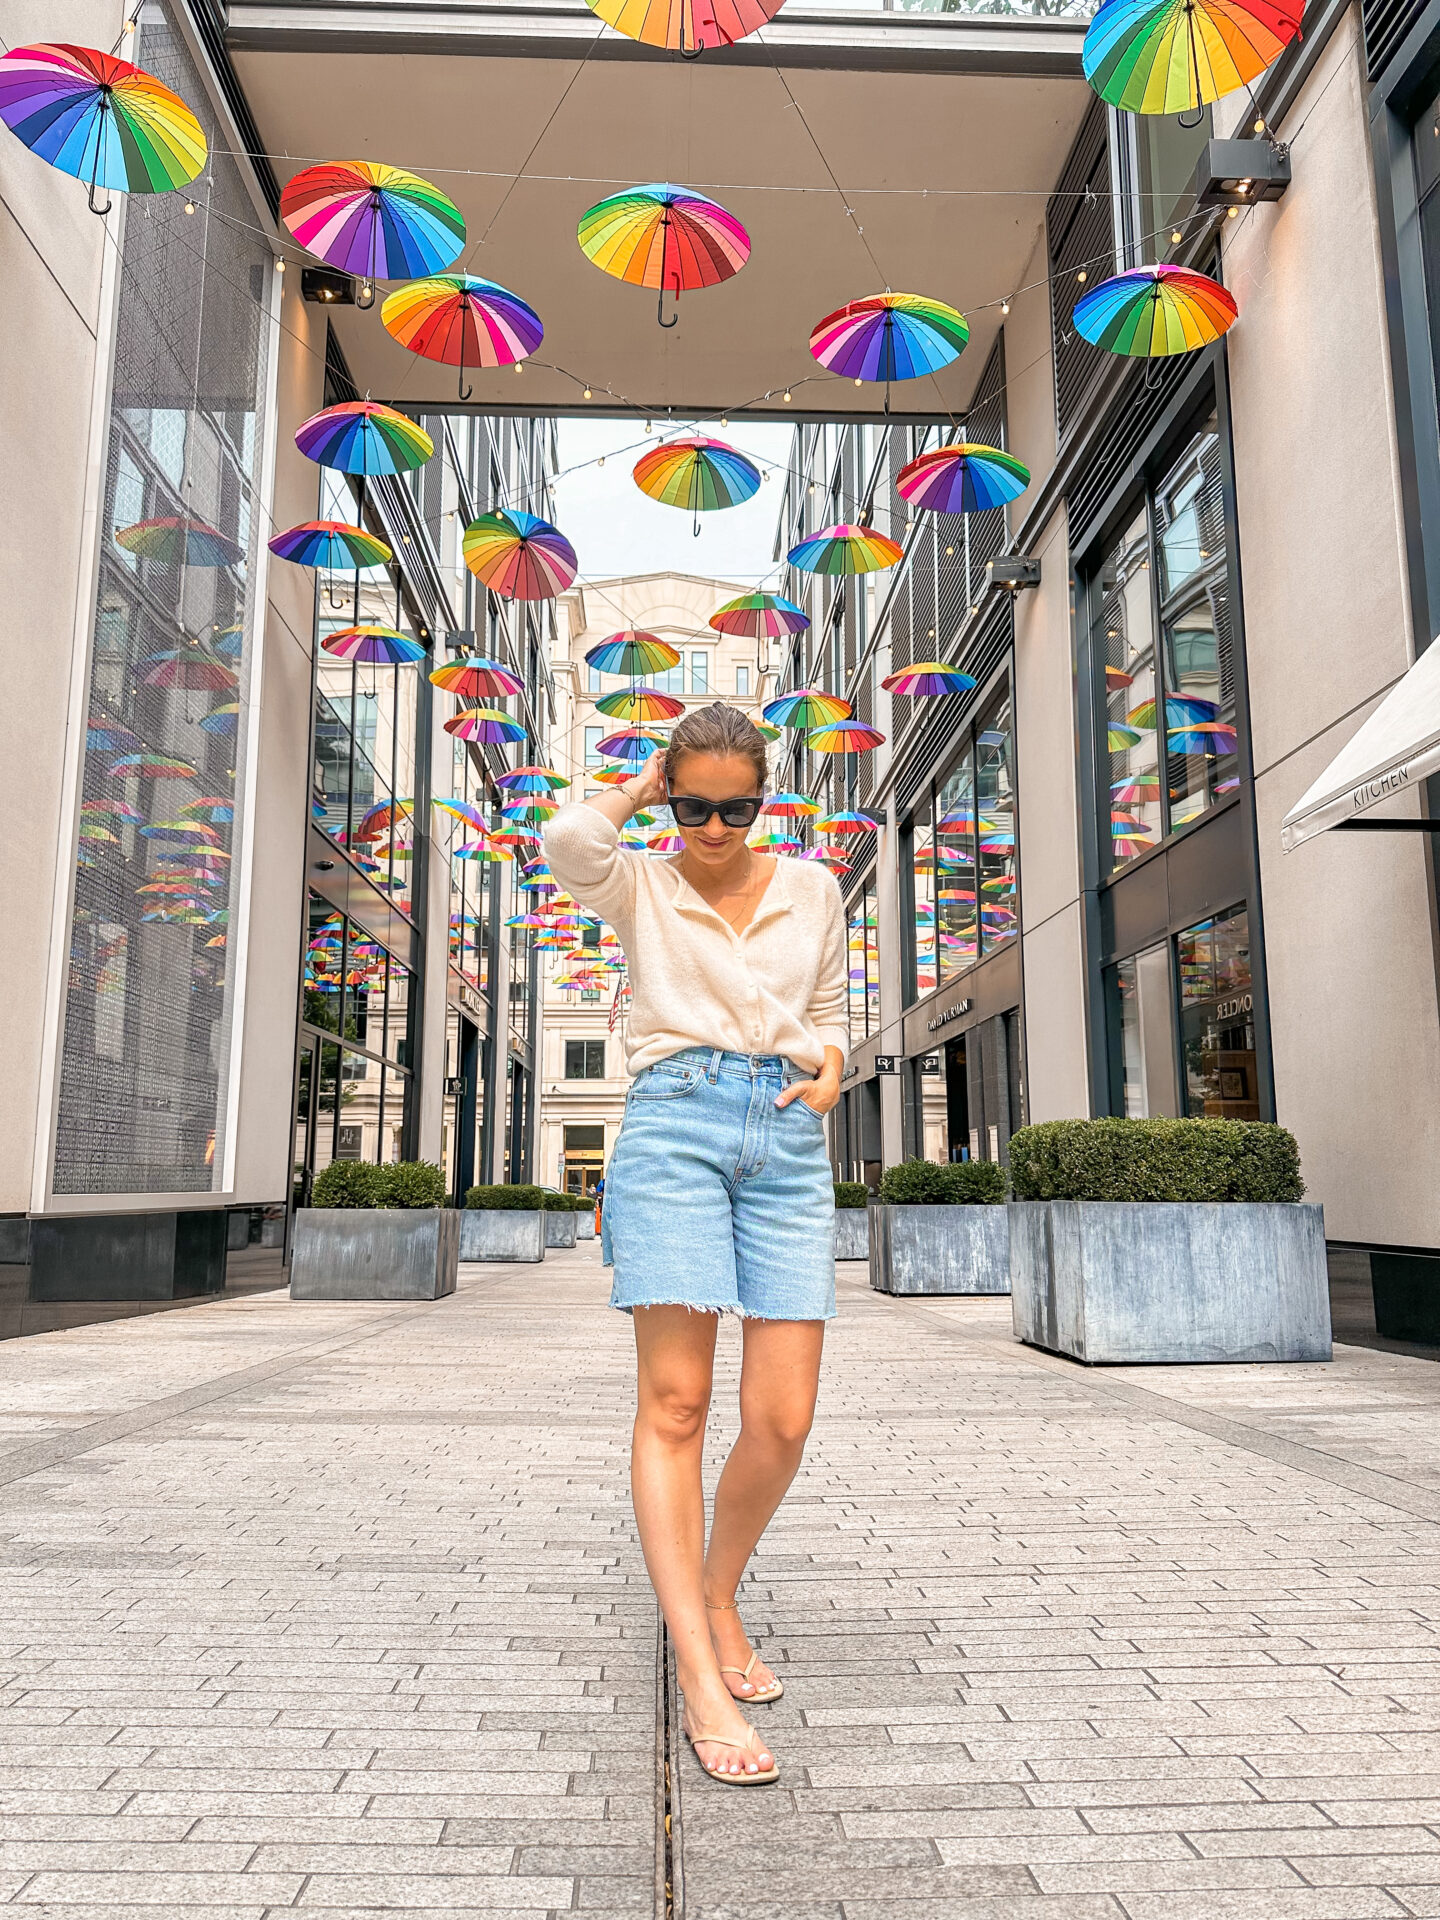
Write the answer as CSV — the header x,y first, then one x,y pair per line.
x,y
720,730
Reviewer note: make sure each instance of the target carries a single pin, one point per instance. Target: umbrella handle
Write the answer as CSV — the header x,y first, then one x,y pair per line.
x,y
95,170
688,53
660,305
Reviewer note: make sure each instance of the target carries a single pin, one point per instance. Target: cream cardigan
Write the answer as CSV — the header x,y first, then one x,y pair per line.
x,y
781,986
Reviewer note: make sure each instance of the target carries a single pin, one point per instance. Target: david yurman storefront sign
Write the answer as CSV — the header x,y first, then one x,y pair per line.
x,y
956,1012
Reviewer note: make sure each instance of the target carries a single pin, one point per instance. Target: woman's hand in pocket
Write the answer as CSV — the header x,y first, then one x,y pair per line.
x,y
819,1094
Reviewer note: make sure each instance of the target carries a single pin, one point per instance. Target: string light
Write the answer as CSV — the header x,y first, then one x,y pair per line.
x,y
1176,237
365,298
1234,212
787,396
588,394
189,206
519,367
724,421
1004,306
1082,276
1260,124
279,263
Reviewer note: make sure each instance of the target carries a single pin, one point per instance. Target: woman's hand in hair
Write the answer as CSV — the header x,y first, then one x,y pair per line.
x,y
647,788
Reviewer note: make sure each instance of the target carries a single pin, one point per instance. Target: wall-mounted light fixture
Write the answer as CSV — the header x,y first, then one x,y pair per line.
x,y
1016,572
326,288
1237,173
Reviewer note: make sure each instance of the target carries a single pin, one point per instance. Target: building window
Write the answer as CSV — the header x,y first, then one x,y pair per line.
x,y
699,673
593,737
1143,1043
862,940
672,680
742,682
585,1059
1217,1019
594,680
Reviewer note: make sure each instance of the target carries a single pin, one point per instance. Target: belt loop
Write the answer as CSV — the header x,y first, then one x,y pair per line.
x,y
712,1072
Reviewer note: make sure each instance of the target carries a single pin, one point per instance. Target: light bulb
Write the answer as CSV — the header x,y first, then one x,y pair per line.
x,y
1260,124
189,206
365,297
588,394
857,382
519,366
1082,276
1176,237
724,421
949,553
647,426
787,396
1004,306
279,265
601,461
1233,212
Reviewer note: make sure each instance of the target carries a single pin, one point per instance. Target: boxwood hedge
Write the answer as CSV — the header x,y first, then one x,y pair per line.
x,y
359,1183
514,1199
935,1183
851,1193
1185,1160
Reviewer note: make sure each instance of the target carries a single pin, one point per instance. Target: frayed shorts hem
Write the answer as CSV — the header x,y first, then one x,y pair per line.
x,y
732,1307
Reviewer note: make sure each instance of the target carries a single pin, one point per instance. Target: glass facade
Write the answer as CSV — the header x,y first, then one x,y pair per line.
x,y
864,963
1217,1019
145,1066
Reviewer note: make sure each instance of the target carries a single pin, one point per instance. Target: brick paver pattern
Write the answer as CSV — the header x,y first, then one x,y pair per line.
x,y
339,1609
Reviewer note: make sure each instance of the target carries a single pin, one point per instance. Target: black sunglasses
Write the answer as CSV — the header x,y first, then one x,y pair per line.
x,y
692,812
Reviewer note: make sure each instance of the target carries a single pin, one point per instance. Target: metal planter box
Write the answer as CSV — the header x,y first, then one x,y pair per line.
x,y
1108,1282
502,1233
364,1253
945,1250
585,1225
852,1233
560,1229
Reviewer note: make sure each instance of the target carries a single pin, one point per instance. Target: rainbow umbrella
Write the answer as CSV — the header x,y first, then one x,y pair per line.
x,y
477,679
224,719
635,744
791,806
1116,679
686,26
174,541
1181,710
382,645
962,478
465,810
463,321
765,730
1175,56
100,119
515,837
1127,841
1215,739
113,809
519,556
632,651
361,436
697,475
333,544
1149,312
1135,787
378,821
926,679
532,780
480,850
613,776
374,221
889,336
640,704
92,830
191,671
533,808
486,724
666,843
807,707
1123,738
759,616
843,737
663,237
845,550
781,842
847,823
210,806
152,766
102,738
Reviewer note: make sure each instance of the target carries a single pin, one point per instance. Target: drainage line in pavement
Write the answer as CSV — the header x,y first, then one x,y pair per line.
x,y
669,1877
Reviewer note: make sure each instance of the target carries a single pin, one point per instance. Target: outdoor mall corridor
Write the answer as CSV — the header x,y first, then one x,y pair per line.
x,y
340,1608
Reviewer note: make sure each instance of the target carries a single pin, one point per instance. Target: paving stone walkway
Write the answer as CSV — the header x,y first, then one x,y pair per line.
x,y
339,1609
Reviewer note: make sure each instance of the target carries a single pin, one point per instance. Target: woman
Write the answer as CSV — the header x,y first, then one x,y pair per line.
x,y
719,1196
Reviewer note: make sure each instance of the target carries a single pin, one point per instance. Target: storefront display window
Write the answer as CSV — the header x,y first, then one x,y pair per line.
x,y
1144,1043
923,858
995,828
957,929
864,966
1217,1019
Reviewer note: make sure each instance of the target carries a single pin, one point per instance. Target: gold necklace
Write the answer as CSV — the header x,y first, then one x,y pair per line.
x,y
744,898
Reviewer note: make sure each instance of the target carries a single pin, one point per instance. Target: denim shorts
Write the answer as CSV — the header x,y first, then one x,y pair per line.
x,y
715,1198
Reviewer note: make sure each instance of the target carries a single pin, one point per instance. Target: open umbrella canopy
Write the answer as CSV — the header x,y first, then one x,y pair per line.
x,y
1152,312
760,616
634,744
889,336
847,823
775,841
101,737
374,221
1122,738
223,719
382,646
361,436
151,766
515,837
191,670
807,707
664,237
1135,787
634,652
962,478
113,809
485,724
666,843
791,806
845,736
462,321
100,119
1214,739
477,679
210,806
927,679
465,810
518,555
1181,710
532,780
175,541
845,549
379,819
685,26
481,850
697,475
640,704
330,543
1173,56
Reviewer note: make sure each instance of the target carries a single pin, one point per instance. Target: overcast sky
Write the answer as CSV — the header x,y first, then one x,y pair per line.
x,y
615,529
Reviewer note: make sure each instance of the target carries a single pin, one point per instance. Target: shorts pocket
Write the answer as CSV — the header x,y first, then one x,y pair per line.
x,y
665,1083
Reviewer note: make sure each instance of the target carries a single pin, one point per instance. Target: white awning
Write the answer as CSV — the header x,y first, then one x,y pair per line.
x,y
1397,746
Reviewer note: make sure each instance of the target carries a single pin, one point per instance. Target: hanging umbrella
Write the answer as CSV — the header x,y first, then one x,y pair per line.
x,y
373,221
1127,841
890,336
333,544
635,744
927,679
1215,739
844,737
481,850
515,837
640,704
759,616
687,27
100,737
485,724
1176,56
361,436
174,541
807,707
386,814
152,766
791,806
1116,679
532,808
697,475
100,120
477,679
210,806
92,830
847,823
381,645
464,810
664,237
962,478
666,843
113,809
192,672
765,730
775,840
1150,312
463,321
845,550
518,555
1136,787
632,652
1123,738
1181,710
532,780
225,719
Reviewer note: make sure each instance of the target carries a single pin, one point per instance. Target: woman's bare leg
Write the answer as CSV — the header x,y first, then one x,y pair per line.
x,y
779,1379
675,1349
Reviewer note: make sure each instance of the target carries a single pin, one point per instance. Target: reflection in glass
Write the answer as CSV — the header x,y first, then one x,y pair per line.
x,y
1200,738
1217,1019
1126,645
923,855
956,907
864,966
995,828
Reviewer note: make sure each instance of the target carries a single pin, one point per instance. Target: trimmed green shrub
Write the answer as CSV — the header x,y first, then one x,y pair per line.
x,y
553,1201
851,1193
413,1183
516,1199
936,1183
1194,1160
349,1183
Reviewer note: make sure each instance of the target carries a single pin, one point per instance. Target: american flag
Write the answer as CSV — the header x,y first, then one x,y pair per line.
x,y
620,1002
